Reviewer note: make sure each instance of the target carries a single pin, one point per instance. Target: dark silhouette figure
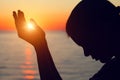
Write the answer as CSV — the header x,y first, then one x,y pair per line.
x,y
94,25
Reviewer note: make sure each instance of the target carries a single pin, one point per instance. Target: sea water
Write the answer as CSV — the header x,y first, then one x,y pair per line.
x,y
18,58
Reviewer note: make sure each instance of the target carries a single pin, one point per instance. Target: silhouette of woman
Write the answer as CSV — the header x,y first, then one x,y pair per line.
x,y
94,25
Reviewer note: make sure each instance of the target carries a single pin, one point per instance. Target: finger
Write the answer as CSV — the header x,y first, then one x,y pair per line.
x,y
33,21
21,15
15,15
37,27
15,18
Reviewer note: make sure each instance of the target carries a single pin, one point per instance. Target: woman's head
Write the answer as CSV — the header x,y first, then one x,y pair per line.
x,y
89,31
93,45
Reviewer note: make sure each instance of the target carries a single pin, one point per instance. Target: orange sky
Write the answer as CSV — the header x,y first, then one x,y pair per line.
x,y
49,14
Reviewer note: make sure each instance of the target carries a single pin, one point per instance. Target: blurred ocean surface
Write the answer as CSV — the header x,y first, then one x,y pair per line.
x,y
18,58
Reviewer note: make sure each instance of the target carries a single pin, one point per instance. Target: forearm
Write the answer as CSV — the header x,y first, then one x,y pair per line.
x,y
46,65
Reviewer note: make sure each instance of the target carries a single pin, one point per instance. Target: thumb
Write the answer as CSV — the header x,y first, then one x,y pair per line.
x,y
35,24
33,21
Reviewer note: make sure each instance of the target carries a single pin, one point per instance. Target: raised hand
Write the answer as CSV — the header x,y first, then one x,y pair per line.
x,y
34,36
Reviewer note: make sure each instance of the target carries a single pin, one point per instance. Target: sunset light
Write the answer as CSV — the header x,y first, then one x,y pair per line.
x,y
49,14
28,67
30,26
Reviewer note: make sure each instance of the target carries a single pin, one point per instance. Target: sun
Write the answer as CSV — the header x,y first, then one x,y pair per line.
x,y
30,26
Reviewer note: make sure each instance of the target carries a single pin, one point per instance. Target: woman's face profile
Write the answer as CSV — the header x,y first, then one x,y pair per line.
x,y
97,50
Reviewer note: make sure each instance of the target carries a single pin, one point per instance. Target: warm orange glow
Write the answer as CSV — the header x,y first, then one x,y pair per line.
x,y
28,52
29,72
50,17
6,23
28,62
55,21
27,66
46,21
30,26
29,77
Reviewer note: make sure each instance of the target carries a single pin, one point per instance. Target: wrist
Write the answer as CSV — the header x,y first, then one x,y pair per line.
x,y
41,43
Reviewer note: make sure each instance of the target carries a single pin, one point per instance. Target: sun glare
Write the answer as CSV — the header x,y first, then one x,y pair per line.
x,y
30,26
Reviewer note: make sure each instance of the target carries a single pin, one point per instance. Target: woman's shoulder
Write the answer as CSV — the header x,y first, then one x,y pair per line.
x,y
109,71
